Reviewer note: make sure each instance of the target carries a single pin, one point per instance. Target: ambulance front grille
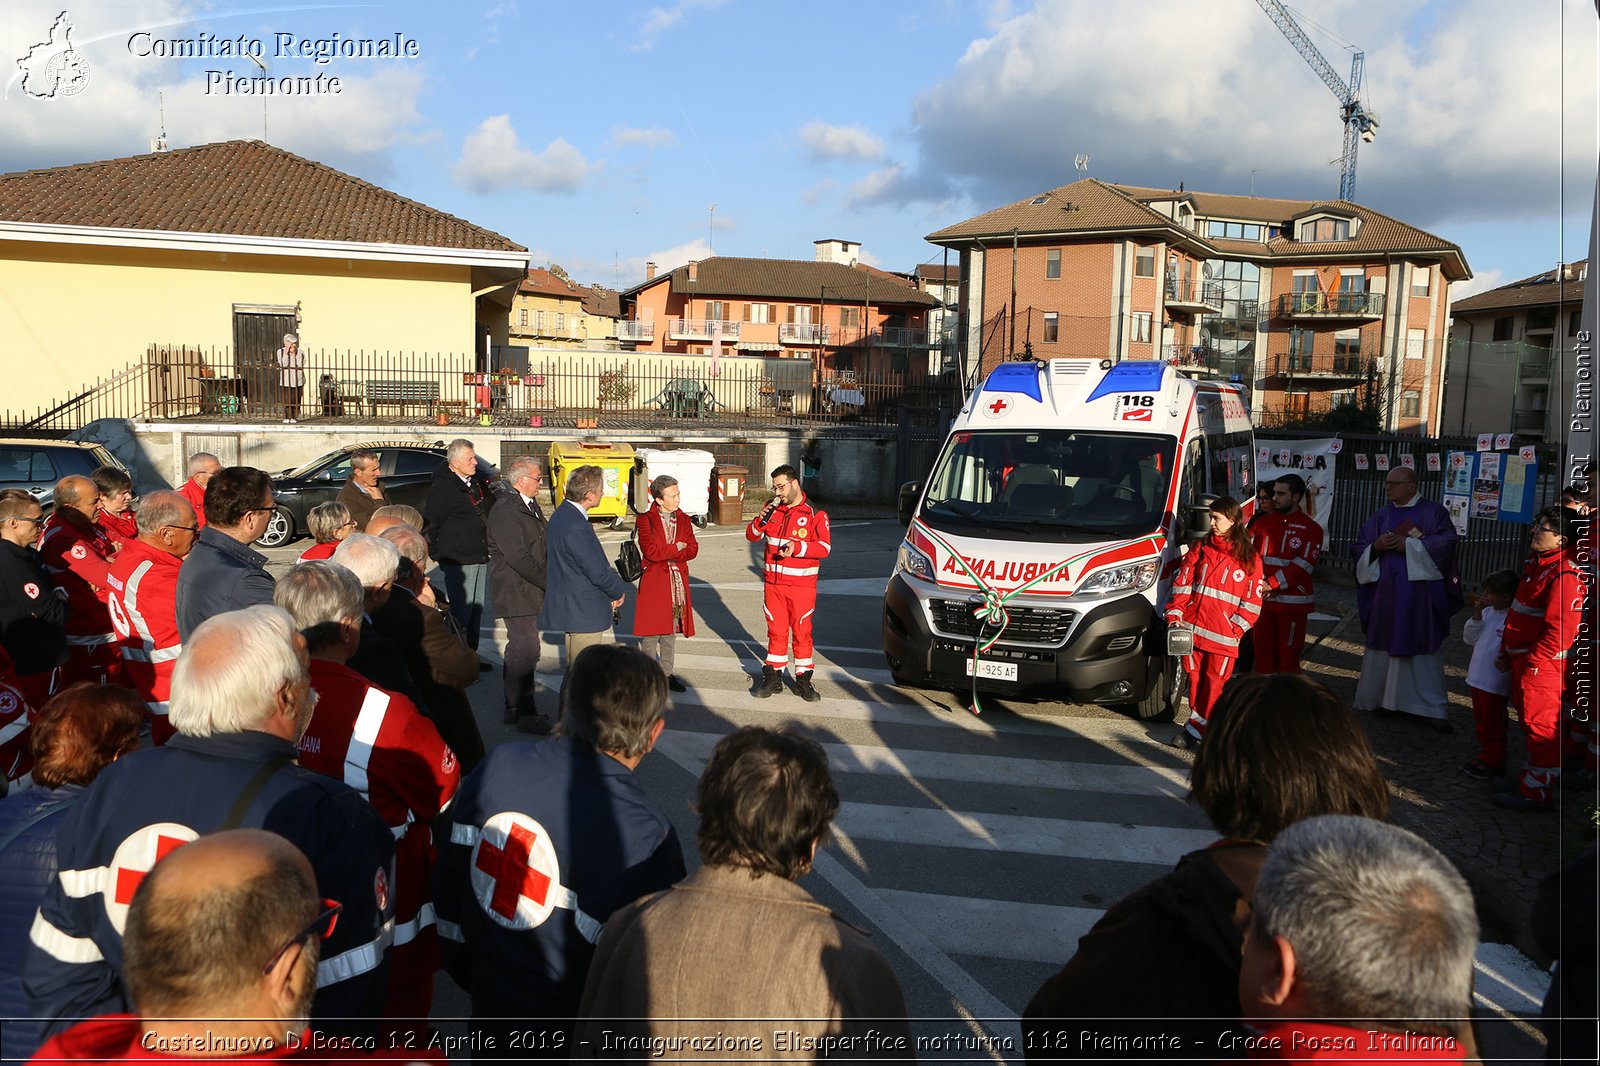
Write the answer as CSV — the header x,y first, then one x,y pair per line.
x,y
1025,625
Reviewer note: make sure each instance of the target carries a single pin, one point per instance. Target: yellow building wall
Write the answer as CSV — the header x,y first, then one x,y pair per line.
x,y
71,314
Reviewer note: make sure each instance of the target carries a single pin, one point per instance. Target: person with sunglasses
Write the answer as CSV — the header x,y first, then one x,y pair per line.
x,y
143,586
1540,634
33,618
220,959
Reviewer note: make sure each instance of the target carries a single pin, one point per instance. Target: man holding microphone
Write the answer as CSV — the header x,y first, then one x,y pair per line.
x,y
797,539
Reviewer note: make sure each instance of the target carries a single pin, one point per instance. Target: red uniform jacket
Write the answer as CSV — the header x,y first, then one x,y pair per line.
x,y
803,526
1289,545
121,528
379,744
652,614
1544,617
197,496
78,559
1216,595
318,551
143,586
16,724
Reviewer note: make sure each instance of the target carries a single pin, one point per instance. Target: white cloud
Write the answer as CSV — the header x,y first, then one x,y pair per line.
x,y
626,136
493,158
1470,94
355,130
628,270
508,7
661,19
1481,282
826,142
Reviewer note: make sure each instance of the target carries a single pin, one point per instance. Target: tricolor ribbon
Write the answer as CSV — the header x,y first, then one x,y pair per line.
x,y
992,609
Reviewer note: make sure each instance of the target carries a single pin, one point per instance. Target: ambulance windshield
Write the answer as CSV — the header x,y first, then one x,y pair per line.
x,y
1056,484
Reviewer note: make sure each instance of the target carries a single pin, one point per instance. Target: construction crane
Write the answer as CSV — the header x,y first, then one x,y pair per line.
x,y
1358,121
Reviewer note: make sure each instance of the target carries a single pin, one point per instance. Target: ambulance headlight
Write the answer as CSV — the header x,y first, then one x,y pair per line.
x,y
1135,577
913,562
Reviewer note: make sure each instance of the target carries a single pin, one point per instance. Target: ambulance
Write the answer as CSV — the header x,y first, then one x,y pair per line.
x,y
1040,550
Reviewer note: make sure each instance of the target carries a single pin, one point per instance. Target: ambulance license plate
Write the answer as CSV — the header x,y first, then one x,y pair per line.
x,y
994,671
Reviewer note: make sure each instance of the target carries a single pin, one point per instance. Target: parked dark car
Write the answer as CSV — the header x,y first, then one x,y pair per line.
x,y
405,468
36,464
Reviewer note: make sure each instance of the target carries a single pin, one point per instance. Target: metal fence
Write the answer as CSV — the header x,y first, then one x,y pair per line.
x,y
1487,546
557,391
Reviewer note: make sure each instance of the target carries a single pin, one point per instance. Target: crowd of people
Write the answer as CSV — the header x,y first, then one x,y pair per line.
x,y
262,815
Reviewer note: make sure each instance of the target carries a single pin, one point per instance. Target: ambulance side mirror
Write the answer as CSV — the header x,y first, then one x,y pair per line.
x,y
1197,518
907,503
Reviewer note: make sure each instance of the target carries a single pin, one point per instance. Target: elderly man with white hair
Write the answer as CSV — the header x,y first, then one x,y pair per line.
x,y
456,510
376,564
241,700
379,744
1359,948
443,665
201,468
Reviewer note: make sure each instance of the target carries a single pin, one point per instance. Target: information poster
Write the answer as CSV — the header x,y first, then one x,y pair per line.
x,y
1497,486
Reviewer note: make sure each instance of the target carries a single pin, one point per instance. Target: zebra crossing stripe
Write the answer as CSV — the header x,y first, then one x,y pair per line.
x,y
962,925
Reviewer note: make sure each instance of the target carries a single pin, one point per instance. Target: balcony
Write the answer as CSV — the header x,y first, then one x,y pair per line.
x,y
1194,297
703,329
636,330
1313,368
903,337
1528,421
1534,369
1355,306
803,333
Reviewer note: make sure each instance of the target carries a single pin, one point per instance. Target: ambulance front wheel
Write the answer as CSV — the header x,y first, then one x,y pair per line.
x,y
1161,702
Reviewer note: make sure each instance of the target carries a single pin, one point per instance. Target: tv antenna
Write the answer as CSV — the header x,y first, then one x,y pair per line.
x,y
1081,161
160,143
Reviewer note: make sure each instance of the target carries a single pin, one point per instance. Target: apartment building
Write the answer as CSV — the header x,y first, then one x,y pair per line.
x,y
1507,371
1311,304
547,312
845,316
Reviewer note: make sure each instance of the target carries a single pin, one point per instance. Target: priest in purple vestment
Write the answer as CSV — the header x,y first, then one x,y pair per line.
x,y
1407,589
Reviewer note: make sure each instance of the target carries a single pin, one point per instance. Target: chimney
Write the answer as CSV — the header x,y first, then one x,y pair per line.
x,y
694,271
649,270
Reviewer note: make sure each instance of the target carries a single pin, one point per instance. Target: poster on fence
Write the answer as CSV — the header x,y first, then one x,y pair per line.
x,y
1459,507
1498,486
1313,460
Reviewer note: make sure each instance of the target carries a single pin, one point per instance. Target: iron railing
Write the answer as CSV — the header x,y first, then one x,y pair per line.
x,y
1488,546
1194,293
1322,366
555,390
703,329
636,330
1337,304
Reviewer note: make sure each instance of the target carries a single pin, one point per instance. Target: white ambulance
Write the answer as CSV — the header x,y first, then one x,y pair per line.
x,y
1040,550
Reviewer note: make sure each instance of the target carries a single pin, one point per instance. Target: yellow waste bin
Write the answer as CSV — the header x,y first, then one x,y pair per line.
x,y
616,467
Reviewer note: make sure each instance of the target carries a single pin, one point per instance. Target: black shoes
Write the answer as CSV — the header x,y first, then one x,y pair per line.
x,y
771,683
1185,740
1481,771
802,685
537,724
675,683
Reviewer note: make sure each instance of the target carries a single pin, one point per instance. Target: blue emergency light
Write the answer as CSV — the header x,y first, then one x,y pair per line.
x,y
1134,375
1015,377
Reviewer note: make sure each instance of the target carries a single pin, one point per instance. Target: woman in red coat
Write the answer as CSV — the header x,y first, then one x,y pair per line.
x,y
666,540
116,515
1217,593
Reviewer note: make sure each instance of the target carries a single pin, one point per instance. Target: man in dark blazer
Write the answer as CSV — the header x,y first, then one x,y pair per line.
x,y
456,506
223,573
582,588
516,585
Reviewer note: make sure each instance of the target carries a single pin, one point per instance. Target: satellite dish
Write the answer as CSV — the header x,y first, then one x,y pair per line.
x,y
1081,161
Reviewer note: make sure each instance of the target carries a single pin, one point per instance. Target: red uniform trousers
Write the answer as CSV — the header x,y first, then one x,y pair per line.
x,y
38,688
100,663
1208,673
788,609
1280,637
1490,721
1538,686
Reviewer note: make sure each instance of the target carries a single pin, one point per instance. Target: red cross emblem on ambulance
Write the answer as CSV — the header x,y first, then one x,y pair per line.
x,y
515,873
135,857
996,407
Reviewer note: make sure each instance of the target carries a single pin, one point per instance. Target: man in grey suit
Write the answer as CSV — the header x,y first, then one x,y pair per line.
x,y
582,589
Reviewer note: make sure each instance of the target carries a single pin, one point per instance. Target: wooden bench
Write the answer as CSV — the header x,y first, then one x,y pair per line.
x,y
401,394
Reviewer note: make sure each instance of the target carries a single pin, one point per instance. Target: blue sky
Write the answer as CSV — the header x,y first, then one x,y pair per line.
x,y
600,134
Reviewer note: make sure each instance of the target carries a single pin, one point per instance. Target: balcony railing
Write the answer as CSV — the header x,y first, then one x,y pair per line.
x,y
1331,305
631,330
1528,422
1535,367
1194,296
804,333
704,329
1321,366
